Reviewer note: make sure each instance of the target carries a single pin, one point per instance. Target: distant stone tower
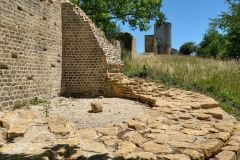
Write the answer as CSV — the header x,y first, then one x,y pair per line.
x,y
163,37
161,41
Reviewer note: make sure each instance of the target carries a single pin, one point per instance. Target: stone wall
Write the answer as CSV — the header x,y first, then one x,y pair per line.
x,y
89,59
163,35
151,44
128,44
175,52
34,44
30,50
134,52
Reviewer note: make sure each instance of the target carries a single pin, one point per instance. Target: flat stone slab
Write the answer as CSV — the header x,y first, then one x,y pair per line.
x,y
125,148
16,131
226,155
73,142
156,148
109,131
135,124
87,134
59,129
92,146
209,147
56,121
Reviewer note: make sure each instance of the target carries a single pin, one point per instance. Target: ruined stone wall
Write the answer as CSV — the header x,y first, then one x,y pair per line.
x,y
175,52
89,59
151,44
134,49
163,35
128,45
30,50
32,42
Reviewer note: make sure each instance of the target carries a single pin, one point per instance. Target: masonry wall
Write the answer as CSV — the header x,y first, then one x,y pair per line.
x,y
151,44
88,58
134,48
163,35
128,44
175,52
30,50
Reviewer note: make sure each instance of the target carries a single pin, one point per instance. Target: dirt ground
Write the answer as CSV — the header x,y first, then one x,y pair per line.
x,y
78,111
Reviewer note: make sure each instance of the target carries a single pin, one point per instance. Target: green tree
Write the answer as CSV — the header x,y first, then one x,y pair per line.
x,y
188,48
212,45
229,22
137,13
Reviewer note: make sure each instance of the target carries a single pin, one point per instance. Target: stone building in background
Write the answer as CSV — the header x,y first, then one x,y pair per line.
x,y
128,44
161,41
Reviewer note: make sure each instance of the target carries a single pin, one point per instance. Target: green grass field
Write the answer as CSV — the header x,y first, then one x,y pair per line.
x,y
217,79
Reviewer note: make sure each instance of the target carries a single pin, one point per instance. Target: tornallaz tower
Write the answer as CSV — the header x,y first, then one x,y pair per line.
x,y
161,41
163,37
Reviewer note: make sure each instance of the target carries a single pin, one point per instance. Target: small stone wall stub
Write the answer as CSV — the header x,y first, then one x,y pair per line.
x,y
129,46
89,59
30,50
175,52
149,43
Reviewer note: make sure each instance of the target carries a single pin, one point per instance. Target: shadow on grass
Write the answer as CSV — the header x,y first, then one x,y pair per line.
x,y
58,152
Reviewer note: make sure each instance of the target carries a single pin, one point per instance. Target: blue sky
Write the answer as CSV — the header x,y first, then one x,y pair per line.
x,y
189,18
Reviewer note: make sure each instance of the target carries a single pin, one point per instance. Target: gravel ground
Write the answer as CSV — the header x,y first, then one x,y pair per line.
x,y
115,110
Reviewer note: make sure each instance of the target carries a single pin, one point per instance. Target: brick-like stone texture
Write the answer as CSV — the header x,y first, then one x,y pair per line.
x,y
40,56
128,44
89,59
30,50
151,44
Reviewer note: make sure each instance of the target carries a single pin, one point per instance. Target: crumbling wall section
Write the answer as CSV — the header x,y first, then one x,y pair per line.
x,y
30,50
163,35
134,48
128,44
151,44
89,59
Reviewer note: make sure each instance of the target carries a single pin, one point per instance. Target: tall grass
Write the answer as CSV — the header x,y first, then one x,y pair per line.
x,y
217,79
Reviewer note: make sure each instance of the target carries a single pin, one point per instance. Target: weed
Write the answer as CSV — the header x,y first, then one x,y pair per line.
x,y
62,92
37,101
20,105
46,108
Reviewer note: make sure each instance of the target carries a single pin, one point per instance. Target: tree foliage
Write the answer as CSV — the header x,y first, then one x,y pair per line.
x,y
188,48
229,22
137,13
212,45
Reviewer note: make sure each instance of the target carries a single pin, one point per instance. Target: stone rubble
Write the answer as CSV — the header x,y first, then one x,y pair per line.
x,y
181,125
96,107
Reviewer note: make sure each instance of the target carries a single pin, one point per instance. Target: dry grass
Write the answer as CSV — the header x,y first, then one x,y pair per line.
x,y
218,79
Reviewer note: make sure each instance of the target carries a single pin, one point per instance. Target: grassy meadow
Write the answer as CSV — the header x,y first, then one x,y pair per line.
x,y
215,78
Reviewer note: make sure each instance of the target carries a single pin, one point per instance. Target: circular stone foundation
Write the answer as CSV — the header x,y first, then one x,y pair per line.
x,y
78,111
